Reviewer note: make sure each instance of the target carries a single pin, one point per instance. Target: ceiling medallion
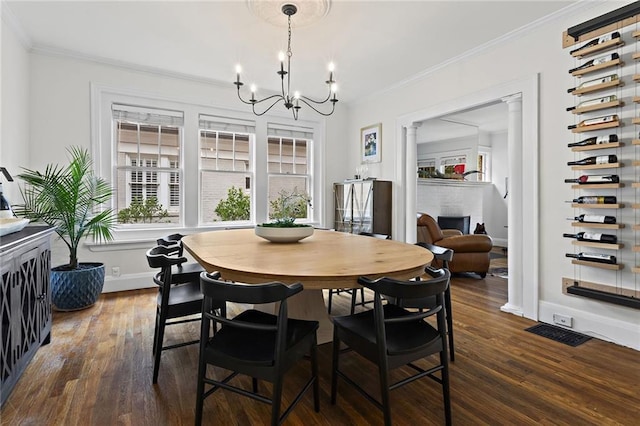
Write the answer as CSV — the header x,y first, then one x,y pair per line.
x,y
308,11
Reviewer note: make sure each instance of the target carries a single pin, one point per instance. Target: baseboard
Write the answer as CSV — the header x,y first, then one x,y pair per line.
x,y
500,242
597,326
128,282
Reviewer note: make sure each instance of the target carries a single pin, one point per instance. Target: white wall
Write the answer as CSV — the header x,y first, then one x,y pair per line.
x,y
14,92
538,50
496,213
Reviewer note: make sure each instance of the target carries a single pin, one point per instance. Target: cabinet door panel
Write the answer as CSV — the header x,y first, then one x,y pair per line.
x,y
7,344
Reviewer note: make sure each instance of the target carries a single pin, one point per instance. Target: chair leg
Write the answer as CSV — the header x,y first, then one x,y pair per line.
x,y
446,395
334,368
384,391
276,400
449,313
156,358
314,371
254,384
354,295
155,332
202,371
329,303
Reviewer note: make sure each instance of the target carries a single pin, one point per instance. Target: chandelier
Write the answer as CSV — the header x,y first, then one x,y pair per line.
x,y
290,102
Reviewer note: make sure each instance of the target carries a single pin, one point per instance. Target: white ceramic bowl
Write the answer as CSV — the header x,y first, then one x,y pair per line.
x,y
284,235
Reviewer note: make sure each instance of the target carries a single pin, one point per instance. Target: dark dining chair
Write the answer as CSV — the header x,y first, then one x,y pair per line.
x,y
254,343
390,336
179,301
353,292
444,255
184,271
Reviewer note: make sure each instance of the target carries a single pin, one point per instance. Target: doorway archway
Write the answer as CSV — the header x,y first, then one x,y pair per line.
x,y
523,236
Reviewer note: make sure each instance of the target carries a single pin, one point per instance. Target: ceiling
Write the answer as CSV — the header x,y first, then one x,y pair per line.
x,y
491,118
374,44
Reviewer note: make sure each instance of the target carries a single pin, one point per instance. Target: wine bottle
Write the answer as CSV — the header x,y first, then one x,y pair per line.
x,y
594,121
595,199
591,102
594,82
588,236
594,257
597,41
600,159
589,179
595,61
595,218
595,140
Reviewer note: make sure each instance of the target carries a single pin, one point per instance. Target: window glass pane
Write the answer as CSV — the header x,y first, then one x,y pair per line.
x,y
288,184
147,190
225,197
147,200
225,175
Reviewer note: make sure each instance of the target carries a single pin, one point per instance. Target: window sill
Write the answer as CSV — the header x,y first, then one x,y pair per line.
x,y
134,239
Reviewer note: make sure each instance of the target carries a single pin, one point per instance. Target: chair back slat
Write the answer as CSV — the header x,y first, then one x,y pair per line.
x,y
246,293
163,257
408,289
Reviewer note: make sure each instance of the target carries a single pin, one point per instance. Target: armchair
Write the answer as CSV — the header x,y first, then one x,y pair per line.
x,y
470,252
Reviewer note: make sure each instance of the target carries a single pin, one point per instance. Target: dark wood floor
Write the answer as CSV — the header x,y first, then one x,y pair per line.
x,y
97,371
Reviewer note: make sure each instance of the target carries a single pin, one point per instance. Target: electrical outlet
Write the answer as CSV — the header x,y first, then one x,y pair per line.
x,y
563,320
115,271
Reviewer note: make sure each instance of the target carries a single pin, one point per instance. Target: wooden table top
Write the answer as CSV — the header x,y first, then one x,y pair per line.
x,y
327,259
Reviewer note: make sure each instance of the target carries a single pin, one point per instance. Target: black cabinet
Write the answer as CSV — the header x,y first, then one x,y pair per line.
x,y
363,206
25,301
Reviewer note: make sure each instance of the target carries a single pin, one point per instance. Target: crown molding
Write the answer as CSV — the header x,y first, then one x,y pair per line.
x,y
579,6
72,54
10,19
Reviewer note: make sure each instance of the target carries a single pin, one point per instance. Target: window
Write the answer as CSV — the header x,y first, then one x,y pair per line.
x,y
484,164
226,169
427,168
453,164
289,162
194,166
148,146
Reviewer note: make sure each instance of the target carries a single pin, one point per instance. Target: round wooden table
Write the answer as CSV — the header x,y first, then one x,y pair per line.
x,y
327,259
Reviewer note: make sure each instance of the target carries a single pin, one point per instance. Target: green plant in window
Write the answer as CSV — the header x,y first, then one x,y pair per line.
x,y
237,205
145,211
288,207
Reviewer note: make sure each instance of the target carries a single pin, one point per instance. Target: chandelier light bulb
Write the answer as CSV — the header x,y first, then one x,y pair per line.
x,y
334,88
238,69
281,56
296,94
332,67
253,88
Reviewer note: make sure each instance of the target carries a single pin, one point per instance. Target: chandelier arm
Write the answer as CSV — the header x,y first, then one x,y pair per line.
x,y
253,107
240,97
333,107
268,98
316,102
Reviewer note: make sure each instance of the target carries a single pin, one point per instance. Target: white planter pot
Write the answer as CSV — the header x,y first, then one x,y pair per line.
x,y
284,235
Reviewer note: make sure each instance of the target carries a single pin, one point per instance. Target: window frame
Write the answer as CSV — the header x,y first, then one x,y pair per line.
x,y
103,153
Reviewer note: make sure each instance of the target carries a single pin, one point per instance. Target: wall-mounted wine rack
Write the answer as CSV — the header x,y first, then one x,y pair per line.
x,y
607,74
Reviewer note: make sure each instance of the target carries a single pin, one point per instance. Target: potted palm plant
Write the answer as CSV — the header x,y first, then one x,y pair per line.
x,y
285,209
69,199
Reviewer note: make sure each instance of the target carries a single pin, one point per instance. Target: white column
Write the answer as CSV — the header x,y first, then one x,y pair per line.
x,y
411,183
515,192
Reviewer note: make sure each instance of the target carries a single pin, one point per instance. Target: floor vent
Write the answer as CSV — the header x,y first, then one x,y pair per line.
x,y
558,334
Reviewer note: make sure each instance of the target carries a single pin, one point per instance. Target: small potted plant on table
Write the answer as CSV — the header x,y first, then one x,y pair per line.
x,y
284,210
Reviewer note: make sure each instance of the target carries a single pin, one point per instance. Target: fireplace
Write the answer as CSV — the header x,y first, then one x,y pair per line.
x,y
461,223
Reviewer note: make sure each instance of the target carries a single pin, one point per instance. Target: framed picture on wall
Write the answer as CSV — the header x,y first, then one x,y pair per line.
x,y
371,142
